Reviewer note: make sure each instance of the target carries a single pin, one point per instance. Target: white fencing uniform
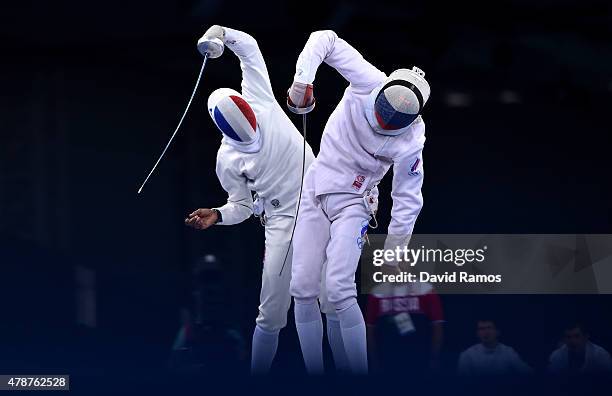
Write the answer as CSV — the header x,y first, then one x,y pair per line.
x,y
342,218
274,171
352,160
272,167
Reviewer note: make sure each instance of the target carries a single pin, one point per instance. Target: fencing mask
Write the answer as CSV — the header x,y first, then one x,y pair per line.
x,y
235,119
399,101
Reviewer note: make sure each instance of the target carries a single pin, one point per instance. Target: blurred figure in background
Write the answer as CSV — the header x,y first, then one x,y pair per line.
x,y
206,339
578,354
404,328
490,357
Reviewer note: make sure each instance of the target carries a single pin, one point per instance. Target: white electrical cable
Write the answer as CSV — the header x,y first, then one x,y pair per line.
x,y
297,210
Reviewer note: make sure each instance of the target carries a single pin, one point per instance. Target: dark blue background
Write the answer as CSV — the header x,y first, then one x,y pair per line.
x,y
92,91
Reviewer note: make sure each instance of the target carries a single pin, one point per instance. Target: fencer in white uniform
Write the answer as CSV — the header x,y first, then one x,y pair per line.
x,y
261,151
376,125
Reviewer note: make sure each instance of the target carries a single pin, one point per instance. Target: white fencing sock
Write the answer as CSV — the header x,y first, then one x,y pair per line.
x,y
263,350
353,330
334,337
310,331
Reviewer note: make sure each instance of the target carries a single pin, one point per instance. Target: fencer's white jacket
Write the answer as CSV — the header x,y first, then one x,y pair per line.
x,y
354,158
274,168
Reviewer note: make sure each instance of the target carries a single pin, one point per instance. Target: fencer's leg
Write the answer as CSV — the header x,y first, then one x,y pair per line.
x,y
352,327
334,335
275,299
310,332
349,217
263,350
309,244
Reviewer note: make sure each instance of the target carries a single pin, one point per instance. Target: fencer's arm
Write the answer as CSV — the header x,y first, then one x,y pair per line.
x,y
239,206
256,86
326,46
406,193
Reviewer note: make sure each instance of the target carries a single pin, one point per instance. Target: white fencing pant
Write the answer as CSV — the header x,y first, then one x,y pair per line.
x,y
329,228
274,298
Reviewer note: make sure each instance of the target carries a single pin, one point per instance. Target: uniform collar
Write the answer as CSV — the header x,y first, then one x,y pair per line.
x,y
250,147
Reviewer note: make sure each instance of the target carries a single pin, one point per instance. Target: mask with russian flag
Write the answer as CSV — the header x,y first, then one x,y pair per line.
x,y
400,100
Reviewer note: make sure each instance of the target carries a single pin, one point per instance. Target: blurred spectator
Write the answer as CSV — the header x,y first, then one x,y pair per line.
x,y
405,327
206,339
490,357
578,354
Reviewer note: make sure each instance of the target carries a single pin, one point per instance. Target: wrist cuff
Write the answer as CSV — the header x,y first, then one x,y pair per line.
x,y
219,216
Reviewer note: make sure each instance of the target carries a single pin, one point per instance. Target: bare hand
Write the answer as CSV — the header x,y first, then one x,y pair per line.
x,y
201,219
